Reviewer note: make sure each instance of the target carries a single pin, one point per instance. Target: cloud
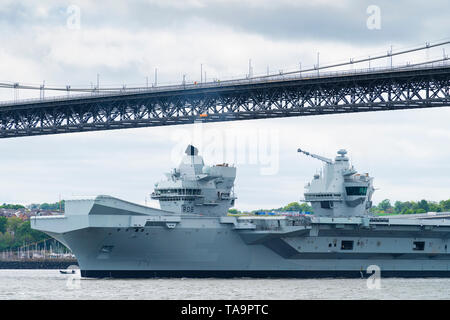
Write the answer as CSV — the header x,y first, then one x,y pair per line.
x,y
287,19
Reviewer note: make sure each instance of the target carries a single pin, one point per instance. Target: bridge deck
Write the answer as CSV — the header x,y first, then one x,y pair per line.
x,y
255,98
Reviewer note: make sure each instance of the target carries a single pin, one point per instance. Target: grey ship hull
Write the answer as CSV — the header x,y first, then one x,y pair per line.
x,y
113,238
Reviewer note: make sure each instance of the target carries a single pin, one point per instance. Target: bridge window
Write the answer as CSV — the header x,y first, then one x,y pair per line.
x,y
419,245
356,191
347,245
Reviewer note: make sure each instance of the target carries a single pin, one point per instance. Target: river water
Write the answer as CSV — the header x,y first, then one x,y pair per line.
x,y
50,284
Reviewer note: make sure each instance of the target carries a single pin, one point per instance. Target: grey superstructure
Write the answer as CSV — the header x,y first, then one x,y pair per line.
x,y
196,188
192,235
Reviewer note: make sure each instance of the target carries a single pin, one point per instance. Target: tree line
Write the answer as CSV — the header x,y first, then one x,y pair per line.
x,y
15,233
410,207
34,206
291,207
48,206
384,207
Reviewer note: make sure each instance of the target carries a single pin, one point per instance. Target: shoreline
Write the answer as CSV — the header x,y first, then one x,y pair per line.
x,y
37,264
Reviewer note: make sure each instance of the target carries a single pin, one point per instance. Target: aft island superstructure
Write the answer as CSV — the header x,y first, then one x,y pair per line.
x,y
192,235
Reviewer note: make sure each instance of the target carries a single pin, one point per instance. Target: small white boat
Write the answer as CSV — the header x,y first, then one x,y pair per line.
x,y
67,271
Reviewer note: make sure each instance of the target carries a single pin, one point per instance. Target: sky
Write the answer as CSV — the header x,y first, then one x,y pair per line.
x,y
70,42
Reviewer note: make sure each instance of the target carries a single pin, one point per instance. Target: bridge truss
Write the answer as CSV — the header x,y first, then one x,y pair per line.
x,y
276,97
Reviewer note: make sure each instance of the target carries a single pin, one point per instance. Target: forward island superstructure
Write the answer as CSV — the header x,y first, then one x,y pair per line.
x,y
192,235
196,188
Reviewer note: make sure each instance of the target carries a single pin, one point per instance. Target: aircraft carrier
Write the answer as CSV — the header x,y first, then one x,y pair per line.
x,y
192,235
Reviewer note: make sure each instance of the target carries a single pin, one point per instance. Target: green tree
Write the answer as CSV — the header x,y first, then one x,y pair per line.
x,y
24,234
399,207
3,224
445,205
6,241
434,207
385,205
296,207
52,206
13,224
20,233
293,206
12,206
423,205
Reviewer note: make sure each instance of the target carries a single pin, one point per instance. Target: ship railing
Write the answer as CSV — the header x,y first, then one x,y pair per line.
x,y
174,195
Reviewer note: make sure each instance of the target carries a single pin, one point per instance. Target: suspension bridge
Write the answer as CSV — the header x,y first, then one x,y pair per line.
x,y
313,91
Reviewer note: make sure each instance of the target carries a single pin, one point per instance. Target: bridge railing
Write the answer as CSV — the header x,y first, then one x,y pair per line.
x,y
105,92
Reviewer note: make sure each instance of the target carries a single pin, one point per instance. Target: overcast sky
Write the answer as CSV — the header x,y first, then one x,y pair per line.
x,y
124,41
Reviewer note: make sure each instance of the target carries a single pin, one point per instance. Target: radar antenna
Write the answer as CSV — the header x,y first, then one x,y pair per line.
x,y
326,160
